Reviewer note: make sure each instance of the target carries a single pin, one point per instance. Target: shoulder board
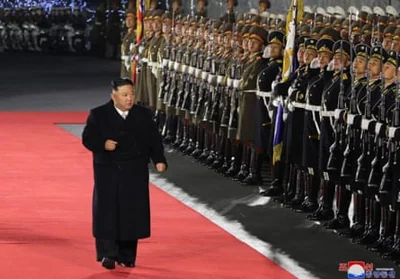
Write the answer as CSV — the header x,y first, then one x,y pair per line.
x,y
279,61
344,77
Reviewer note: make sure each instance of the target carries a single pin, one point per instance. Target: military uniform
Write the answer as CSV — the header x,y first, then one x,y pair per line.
x,y
127,44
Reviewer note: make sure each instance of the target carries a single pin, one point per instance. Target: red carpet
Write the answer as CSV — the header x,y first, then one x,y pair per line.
x,y
45,216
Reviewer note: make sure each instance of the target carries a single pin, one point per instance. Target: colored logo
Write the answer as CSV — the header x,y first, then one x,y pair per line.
x,y
356,270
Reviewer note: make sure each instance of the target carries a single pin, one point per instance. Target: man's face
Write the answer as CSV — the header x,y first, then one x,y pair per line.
x,y
255,45
309,55
374,66
227,40
262,7
175,6
387,43
130,22
276,50
324,58
396,45
360,65
166,27
200,5
340,60
156,25
230,4
389,71
124,97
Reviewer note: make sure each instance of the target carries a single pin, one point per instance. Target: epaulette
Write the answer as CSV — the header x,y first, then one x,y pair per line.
x,y
344,76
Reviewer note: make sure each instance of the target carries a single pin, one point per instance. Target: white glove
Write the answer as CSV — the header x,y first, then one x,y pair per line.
x,y
131,47
330,66
291,90
315,64
273,85
284,116
141,48
267,52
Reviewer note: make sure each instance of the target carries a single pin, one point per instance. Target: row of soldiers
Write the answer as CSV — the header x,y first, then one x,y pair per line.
x,y
328,131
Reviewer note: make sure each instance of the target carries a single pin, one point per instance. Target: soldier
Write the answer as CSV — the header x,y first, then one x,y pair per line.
x,y
337,82
153,59
353,150
396,41
311,135
142,51
295,104
368,100
176,7
388,34
229,16
201,8
197,95
163,56
128,43
383,114
246,130
264,6
153,5
236,75
265,117
391,173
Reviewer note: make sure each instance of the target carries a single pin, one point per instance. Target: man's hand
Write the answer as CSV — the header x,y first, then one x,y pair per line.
x,y
161,167
110,145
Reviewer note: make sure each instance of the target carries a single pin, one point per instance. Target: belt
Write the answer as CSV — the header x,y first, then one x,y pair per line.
x,y
327,113
299,105
264,94
312,107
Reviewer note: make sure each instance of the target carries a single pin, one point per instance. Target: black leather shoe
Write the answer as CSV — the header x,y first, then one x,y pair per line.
x,y
108,263
126,264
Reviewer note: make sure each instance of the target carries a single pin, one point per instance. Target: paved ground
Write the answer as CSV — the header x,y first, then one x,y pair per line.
x,y
55,83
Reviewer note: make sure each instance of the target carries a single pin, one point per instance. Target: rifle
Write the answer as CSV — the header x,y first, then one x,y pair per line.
x,y
375,175
211,75
226,110
197,64
185,62
164,85
367,122
233,116
170,86
352,122
191,61
335,149
205,66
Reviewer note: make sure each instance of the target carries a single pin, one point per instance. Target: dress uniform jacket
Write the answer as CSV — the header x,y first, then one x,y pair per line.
x,y
121,209
353,154
248,99
152,71
128,40
295,118
312,119
329,103
142,51
264,124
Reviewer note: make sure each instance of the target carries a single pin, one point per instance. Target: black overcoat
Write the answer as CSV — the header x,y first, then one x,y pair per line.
x,y
121,206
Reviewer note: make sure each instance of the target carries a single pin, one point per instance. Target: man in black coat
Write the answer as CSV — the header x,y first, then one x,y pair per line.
x,y
123,138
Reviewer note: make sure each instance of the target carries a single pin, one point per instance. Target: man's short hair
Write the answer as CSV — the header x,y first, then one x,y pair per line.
x,y
120,82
